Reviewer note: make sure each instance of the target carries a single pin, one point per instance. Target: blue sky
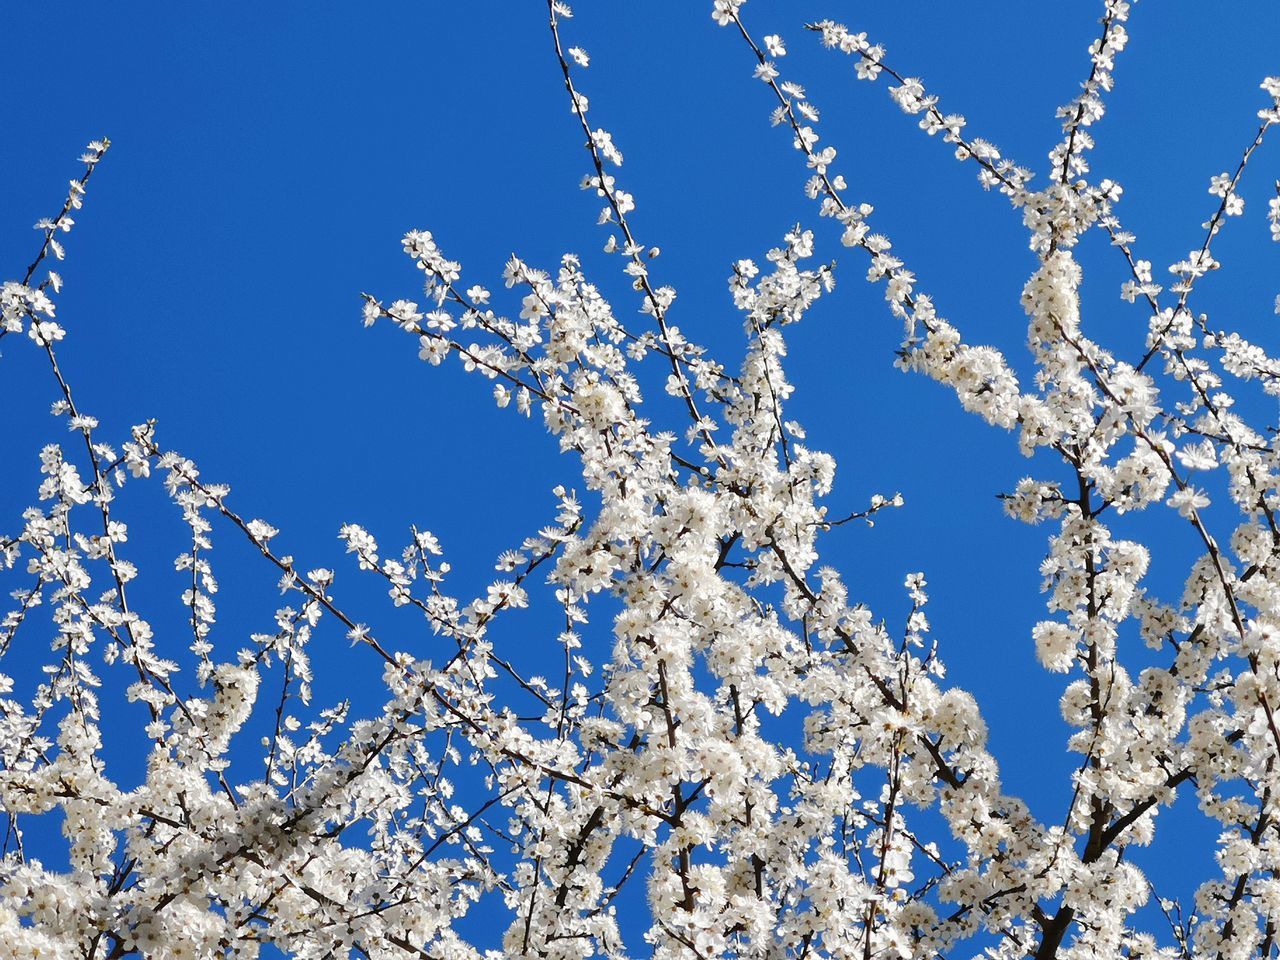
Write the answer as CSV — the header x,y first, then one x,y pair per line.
x,y
267,158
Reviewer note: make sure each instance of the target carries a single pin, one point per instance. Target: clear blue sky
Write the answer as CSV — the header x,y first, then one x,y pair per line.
x,y
267,158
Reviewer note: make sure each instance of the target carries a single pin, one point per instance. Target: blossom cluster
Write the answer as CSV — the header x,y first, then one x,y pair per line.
x,y
719,720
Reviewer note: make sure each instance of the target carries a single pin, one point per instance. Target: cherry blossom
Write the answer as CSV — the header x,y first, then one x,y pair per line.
x,y
640,749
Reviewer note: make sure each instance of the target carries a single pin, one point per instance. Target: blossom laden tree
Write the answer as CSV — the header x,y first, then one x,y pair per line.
x,y
698,621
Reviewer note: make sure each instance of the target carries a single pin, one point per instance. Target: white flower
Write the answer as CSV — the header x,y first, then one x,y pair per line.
x,y
1188,500
1056,645
260,530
